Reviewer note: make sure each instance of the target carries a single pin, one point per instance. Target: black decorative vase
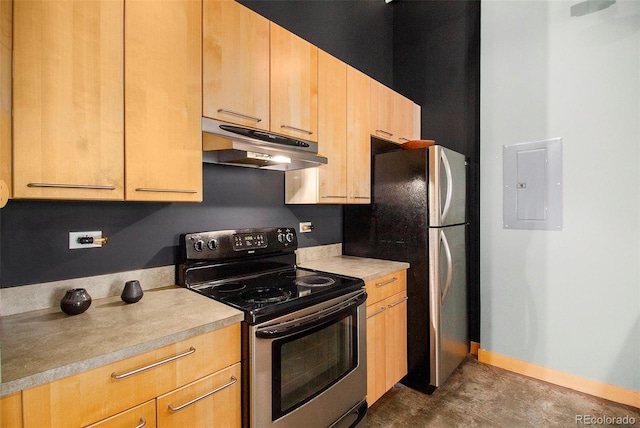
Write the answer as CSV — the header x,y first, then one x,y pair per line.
x,y
132,292
75,301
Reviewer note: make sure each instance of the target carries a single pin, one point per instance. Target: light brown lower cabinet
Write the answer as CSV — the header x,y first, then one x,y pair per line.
x,y
140,416
11,410
213,401
386,333
186,369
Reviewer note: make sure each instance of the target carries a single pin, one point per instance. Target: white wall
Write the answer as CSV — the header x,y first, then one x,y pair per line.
x,y
567,300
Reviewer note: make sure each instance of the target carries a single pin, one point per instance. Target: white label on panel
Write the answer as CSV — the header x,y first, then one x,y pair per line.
x,y
531,185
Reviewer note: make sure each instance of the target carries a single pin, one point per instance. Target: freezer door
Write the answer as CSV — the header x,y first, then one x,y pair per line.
x,y
448,301
447,187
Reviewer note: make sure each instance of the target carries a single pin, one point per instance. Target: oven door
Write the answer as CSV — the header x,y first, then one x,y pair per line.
x,y
308,368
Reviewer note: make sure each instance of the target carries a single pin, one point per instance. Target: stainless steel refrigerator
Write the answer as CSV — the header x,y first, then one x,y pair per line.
x,y
418,215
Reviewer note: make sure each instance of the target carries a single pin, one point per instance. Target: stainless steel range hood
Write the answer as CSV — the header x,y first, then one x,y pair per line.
x,y
230,144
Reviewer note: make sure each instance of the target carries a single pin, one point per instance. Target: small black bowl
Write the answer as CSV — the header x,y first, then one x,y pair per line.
x,y
75,301
132,292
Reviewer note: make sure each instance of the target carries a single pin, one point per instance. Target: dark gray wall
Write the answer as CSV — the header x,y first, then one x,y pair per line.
x,y
358,32
437,64
34,234
34,243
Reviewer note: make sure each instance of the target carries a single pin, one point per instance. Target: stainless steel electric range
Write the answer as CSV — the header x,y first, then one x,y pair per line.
x,y
303,334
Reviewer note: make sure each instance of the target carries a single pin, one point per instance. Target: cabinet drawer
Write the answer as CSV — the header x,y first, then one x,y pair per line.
x,y
140,416
213,401
385,286
93,395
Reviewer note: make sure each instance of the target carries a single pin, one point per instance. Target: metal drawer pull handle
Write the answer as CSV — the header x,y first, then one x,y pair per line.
x,y
391,305
341,197
150,189
71,186
382,284
361,197
235,113
382,309
404,139
195,400
153,365
296,129
143,422
382,131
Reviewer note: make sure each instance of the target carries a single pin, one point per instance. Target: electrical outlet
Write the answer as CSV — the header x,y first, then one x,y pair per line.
x,y
305,227
73,239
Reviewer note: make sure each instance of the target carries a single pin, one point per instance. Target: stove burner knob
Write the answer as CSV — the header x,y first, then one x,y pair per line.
x,y
281,238
289,237
212,244
198,245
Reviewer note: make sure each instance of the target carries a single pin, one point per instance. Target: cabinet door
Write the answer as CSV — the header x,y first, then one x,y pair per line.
x,y
163,92
404,116
6,34
358,136
213,401
376,352
382,104
11,410
417,122
328,183
396,343
235,64
332,128
294,85
143,415
68,99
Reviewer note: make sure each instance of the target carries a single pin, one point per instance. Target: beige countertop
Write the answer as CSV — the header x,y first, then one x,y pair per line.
x,y
45,345
364,268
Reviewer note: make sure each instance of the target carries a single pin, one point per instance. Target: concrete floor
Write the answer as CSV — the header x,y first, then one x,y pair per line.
x,y
479,395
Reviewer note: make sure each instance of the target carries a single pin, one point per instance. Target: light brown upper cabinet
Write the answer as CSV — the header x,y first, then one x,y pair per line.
x,y
163,109
6,46
326,183
294,85
235,64
78,80
332,127
392,115
343,137
68,99
407,119
382,125
358,136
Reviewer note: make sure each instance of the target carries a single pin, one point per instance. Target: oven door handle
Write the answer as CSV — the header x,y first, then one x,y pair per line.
x,y
312,320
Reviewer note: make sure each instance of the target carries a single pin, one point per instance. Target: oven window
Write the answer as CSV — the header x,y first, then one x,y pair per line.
x,y
308,363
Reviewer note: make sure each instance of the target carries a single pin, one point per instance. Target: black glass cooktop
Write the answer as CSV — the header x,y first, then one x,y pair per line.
x,y
269,295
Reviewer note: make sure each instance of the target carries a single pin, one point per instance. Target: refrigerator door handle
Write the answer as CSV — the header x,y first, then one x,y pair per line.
x,y
447,200
447,252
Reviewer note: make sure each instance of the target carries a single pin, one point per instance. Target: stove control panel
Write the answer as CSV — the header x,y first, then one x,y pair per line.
x,y
224,244
249,241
